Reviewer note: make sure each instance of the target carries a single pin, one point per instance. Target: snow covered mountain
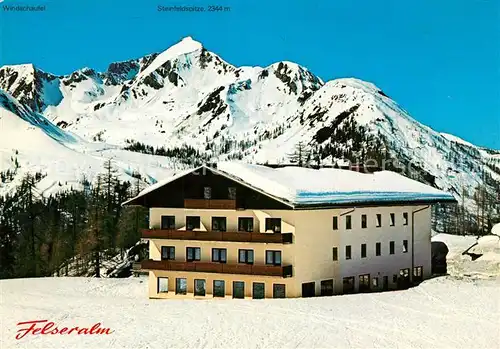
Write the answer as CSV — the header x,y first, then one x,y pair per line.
x,y
188,99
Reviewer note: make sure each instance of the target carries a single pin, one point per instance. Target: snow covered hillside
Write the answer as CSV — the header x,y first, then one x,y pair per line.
x,y
31,143
460,310
440,313
190,97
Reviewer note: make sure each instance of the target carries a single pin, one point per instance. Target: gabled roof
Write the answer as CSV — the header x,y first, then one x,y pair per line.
x,y
304,187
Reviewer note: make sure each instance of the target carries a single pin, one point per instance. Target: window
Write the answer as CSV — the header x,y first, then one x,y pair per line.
x,y
363,221
327,287
391,247
348,252
405,218
279,291
245,224
393,219
364,283
231,193
378,247
167,253
238,289
219,255
273,257
245,256
348,284
168,222
335,254
375,282
308,289
363,250
180,286
417,274
379,220
219,288
335,223
348,222
218,223
405,273
200,287
192,222
405,246
258,291
207,193
394,278
273,224
193,254
162,285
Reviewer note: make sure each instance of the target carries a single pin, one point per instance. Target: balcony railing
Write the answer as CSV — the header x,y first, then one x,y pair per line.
x,y
277,238
222,268
210,204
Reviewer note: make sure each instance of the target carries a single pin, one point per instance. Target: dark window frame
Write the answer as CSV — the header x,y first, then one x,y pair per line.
x,y
168,224
378,249
259,284
271,224
178,286
170,254
158,284
217,251
391,247
222,219
243,225
405,218
274,254
335,223
247,254
218,294
239,283
194,249
277,293
348,222
349,281
363,250
364,283
348,252
207,193
379,220
231,193
405,246
196,218
392,219
335,254
327,287
195,293
364,221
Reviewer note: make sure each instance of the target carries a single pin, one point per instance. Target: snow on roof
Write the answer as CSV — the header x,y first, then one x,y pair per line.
x,y
300,186
305,186
161,183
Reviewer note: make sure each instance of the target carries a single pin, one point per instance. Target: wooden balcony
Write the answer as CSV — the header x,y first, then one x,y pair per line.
x,y
210,204
276,238
222,268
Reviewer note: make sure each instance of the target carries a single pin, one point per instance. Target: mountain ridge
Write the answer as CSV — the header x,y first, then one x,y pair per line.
x,y
187,97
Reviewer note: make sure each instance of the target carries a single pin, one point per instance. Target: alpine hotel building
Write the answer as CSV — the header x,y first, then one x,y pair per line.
x,y
235,230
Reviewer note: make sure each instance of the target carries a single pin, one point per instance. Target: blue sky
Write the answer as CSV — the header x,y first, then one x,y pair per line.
x,y
439,59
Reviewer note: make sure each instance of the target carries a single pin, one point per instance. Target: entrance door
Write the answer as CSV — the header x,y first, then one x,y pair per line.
x,y
308,289
386,283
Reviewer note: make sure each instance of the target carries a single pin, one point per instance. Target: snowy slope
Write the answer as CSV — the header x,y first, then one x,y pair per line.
x,y
30,143
189,96
439,313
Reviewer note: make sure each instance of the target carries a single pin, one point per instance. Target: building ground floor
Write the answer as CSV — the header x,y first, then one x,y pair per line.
x,y
186,284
